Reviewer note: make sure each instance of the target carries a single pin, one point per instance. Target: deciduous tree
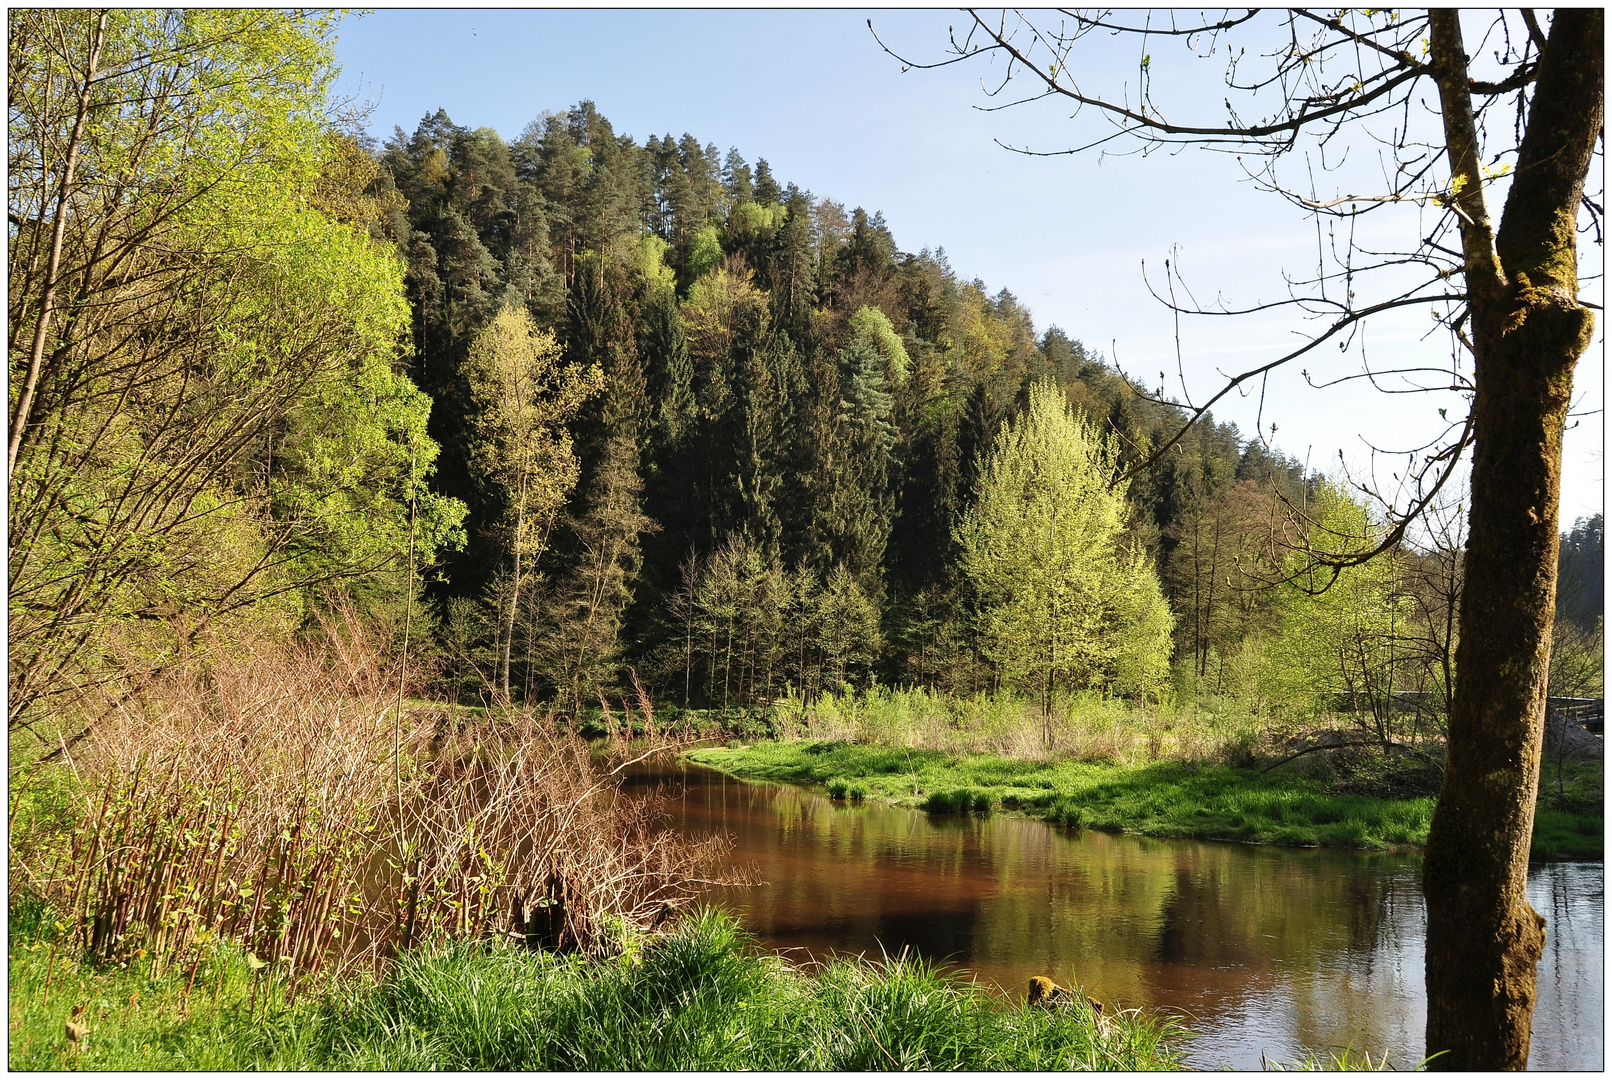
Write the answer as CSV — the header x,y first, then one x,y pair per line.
x,y
1063,603
205,410
525,396
1524,113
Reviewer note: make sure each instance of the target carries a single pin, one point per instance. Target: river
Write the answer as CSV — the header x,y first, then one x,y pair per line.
x,y
1263,951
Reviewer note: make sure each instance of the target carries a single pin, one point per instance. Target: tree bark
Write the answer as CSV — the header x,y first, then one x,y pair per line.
x,y
515,585
1528,331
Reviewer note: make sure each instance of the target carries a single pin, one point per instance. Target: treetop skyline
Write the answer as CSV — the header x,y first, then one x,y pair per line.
x,y
813,94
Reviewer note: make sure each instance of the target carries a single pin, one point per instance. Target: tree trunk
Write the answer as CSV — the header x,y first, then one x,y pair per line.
x,y
1528,330
36,352
515,586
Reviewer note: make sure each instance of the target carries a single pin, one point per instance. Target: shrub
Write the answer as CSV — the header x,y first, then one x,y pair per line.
x,y
263,799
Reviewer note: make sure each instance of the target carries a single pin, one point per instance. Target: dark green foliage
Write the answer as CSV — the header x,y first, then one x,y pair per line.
x,y
744,367
1581,579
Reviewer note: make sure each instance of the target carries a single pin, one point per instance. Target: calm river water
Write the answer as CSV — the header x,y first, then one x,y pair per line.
x,y
1270,951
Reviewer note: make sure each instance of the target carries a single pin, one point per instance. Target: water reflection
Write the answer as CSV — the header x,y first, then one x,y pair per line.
x,y
1266,950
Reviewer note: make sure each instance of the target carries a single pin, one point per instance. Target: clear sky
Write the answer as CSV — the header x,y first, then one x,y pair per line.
x,y
812,92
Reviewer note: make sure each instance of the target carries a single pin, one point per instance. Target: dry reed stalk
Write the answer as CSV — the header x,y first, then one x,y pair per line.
x,y
264,798
516,814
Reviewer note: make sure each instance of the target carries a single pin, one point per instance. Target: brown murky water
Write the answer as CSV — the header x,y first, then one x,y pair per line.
x,y
1264,950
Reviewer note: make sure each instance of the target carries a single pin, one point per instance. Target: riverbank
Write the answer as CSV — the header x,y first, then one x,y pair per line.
x,y
702,997
1164,799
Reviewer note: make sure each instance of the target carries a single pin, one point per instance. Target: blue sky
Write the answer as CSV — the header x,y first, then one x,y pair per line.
x,y
812,92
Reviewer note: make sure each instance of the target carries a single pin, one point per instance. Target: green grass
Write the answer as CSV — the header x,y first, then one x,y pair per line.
x,y
1169,798
135,1023
1346,1060
1559,834
1160,799
703,997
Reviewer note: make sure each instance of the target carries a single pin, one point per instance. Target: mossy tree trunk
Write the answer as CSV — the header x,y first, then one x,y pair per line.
x,y
1527,332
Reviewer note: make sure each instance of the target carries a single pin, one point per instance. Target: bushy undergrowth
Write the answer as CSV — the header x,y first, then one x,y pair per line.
x,y
702,997
1084,726
280,800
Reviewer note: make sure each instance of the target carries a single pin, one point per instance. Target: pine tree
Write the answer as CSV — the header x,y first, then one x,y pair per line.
x,y
767,189
736,179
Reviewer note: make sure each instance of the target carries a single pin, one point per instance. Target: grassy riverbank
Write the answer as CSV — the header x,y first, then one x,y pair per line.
x,y
700,998
1167,798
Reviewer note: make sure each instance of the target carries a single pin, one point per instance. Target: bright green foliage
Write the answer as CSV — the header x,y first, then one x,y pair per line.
x,y
704,251
524,399
749,217
526,395
1062,602
870,326
651,263
358,454
1352,644
212,417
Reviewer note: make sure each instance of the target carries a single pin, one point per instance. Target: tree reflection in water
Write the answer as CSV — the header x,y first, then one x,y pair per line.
x,y
1263,949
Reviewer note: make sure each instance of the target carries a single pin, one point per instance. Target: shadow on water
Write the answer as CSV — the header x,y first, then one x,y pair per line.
x,y
1270,950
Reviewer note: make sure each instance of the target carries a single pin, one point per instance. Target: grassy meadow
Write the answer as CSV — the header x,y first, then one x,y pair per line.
x,y
1204,769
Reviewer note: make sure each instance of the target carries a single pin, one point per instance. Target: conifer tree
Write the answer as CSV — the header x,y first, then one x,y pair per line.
x,y
863,505
791,273
767,189
586,606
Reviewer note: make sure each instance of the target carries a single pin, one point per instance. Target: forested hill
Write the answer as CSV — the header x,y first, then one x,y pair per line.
x,y
789,400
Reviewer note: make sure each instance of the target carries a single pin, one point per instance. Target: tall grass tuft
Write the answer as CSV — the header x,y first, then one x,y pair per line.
x,y
704,997
280,799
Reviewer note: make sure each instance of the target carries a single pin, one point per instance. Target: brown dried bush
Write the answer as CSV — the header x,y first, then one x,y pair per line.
x,y
276,796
